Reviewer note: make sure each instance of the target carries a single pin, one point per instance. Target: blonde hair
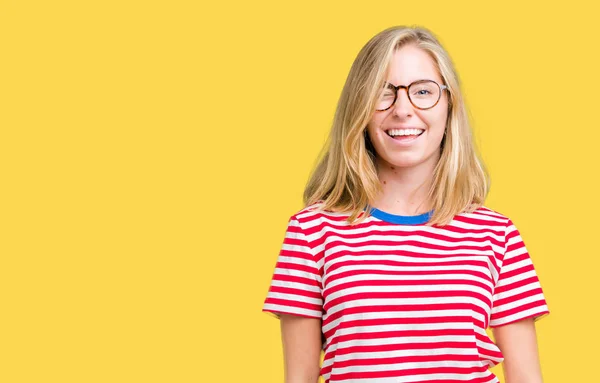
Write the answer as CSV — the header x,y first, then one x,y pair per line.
x,y
345,178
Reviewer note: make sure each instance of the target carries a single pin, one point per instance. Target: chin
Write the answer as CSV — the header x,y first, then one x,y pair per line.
x,y
408,160
405,163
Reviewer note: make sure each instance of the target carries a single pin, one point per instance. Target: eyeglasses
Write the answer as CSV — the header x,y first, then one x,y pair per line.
x,y
423,94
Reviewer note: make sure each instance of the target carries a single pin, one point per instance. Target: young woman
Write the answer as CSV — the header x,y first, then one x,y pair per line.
x,y
395,267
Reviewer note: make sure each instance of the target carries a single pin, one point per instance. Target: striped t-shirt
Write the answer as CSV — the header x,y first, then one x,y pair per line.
x,y
403,302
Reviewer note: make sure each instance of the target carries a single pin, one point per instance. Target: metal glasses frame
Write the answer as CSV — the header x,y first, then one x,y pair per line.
x,y
407,87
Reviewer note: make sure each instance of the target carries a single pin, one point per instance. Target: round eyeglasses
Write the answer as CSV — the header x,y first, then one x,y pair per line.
x,y
423,94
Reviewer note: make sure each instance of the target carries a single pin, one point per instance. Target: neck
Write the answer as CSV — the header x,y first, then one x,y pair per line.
x,y
405,188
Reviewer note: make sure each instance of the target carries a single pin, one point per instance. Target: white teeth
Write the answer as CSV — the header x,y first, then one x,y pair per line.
x,y
404,132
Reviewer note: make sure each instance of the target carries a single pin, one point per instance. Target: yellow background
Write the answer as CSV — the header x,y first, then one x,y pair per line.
x,y
152,152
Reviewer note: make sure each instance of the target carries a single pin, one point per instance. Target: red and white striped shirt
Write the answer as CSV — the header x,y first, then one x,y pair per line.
x,y
404,302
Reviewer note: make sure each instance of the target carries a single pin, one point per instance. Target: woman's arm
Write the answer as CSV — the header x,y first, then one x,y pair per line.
x,y
518,343
301,338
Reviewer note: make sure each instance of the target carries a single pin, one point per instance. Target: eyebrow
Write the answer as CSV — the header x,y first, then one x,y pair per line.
x,y
388,84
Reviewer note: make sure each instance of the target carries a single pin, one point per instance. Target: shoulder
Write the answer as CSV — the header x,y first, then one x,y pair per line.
x,y
312,218
483,219
499,223
486,216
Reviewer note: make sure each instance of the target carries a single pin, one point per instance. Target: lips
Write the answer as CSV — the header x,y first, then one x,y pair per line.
x,y
404,132
405,141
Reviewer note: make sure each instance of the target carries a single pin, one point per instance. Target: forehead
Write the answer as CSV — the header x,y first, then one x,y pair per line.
x,y
409,64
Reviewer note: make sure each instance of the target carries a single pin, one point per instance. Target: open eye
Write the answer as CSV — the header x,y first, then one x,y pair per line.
x,y
424,90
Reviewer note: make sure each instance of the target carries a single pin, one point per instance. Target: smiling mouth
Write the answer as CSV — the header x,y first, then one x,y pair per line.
x,y
404,134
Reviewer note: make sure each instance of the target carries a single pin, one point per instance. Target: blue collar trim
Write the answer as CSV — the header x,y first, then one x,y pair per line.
x,y
402,219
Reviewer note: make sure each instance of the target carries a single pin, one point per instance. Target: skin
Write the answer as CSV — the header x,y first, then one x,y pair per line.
x,y
301,337
405,174
518,343
408,170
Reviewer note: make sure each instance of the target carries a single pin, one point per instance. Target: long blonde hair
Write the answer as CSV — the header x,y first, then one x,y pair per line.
x,y
345,177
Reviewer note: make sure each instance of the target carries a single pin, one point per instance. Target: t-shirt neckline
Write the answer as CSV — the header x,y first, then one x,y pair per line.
x,y
401,219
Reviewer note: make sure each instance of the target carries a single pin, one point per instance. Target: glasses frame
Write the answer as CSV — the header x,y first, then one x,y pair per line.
x,y
407,87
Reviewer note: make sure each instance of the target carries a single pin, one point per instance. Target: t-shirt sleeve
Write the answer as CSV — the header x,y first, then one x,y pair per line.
x,y
518,293
296,283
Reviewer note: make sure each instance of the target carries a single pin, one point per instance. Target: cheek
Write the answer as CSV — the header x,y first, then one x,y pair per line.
x,y
436,123
375,122
374,126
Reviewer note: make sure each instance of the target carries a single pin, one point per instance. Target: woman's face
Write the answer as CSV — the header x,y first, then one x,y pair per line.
x,y
410,64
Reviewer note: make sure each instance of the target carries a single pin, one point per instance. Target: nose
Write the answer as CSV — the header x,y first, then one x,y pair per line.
x,y
402,106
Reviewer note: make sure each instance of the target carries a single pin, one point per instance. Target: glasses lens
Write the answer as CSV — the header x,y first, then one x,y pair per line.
x,y
386,98
424,94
